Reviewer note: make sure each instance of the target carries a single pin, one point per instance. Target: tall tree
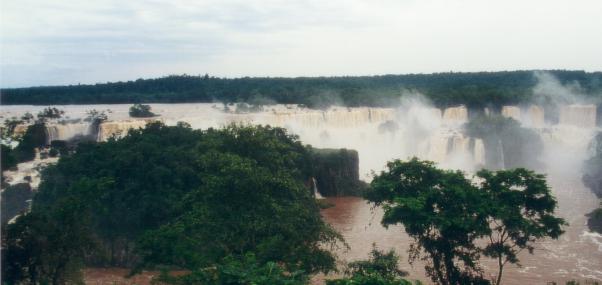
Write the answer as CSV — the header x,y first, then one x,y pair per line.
x,y
520,212
454,221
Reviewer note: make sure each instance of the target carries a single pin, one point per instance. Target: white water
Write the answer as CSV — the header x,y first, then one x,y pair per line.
x,y
66,131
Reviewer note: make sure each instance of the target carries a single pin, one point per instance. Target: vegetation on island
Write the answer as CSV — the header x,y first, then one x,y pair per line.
x,y
507,143
592,178
478,89
337,172
174,198
454,222
141,111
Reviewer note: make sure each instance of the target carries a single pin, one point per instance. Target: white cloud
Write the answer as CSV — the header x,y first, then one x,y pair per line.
x,y
58,42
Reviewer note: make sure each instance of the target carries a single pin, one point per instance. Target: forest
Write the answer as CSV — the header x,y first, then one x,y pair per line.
x,y
443,89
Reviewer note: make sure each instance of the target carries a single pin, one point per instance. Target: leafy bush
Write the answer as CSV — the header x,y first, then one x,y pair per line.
x,y
238,271
50,113
380,269
9,160
141,111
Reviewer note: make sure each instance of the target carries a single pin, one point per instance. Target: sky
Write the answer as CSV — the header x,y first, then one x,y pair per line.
x,y
80,42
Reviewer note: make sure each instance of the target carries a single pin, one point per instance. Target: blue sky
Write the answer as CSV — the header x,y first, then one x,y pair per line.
x,y
70,42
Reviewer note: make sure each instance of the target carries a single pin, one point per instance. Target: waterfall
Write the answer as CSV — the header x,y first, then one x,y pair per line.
x,y
437,147
314,187
500,151
117,129
455,115
511,112
583,116
66,131
479,152
534,117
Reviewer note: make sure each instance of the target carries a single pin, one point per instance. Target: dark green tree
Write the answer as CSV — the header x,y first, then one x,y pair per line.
x,y
50,113
380,269
454,221
9,160
34,137
173,197
141,111
440,211
520,212
239,270
46,248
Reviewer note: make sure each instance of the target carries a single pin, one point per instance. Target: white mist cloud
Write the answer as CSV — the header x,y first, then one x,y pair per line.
x,y
549,90
67,41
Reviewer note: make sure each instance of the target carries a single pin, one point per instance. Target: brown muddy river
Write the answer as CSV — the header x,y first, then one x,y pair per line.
x,y
574,256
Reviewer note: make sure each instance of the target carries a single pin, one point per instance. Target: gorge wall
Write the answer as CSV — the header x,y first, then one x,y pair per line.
x,y
336,172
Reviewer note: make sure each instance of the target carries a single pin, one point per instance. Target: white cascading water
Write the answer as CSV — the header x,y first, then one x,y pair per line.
x,y
66,131
583,116
479,153
107,130
314,186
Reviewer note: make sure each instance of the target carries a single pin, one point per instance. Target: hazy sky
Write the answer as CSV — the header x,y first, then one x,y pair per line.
x,y
70,42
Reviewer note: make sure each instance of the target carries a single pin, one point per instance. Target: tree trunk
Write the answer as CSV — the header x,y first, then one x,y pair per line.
x,y
500,271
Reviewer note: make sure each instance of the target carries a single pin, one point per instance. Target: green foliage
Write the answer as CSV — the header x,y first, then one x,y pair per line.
x,y
239,271
384,264
182,198
59,146
96,117
53,152
9,127
14,200
380,269
141,111
507,144
27,117
447,215
50,113
46,248
443,89
8,158
34,137
520,211
594,220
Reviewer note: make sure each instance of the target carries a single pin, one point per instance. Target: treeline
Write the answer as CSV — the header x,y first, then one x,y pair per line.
x,y
444,89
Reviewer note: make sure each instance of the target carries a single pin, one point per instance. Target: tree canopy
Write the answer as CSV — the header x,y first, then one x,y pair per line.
x,y
447,215
173,197
477,89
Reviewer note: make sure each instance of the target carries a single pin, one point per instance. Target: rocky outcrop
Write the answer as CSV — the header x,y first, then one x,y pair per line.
x,y
337,172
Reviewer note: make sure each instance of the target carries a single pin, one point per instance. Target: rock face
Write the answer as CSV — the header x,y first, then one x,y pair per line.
x,y
337,172
594,221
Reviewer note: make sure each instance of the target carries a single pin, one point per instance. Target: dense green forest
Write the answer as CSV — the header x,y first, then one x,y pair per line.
x,y
473,89
173,197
